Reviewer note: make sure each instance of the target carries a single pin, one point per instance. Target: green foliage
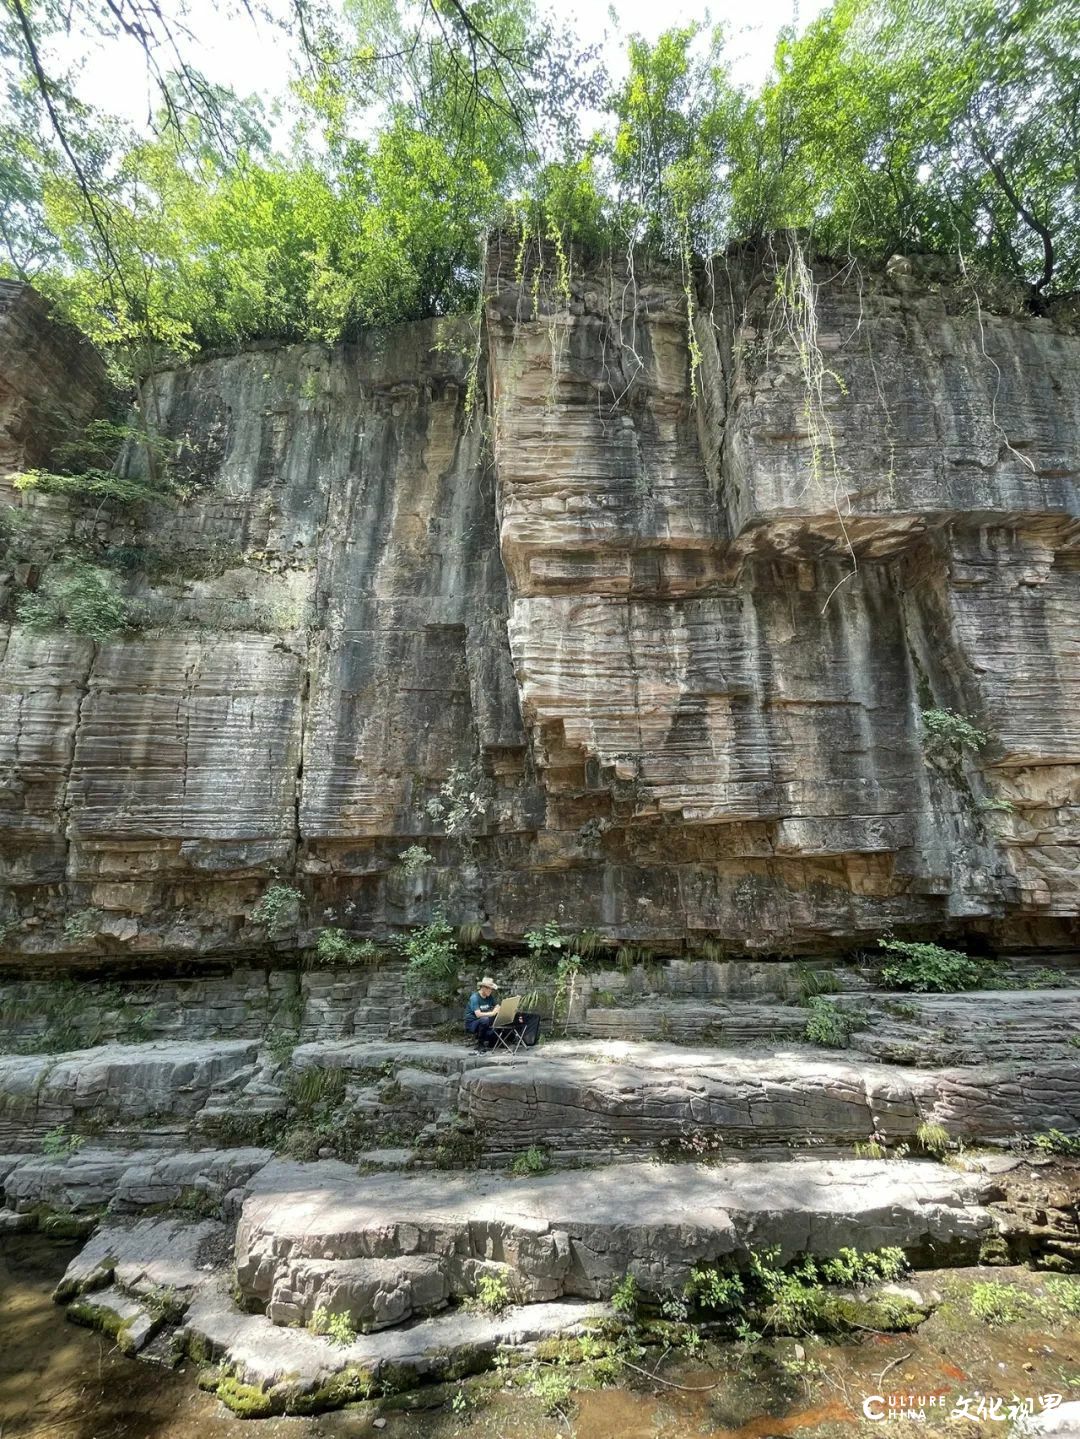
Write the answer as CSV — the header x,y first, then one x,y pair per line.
x,y
928,968
870,1149
340,1329
797,1297
1054,1141
814,981
715,950
334,946
461,802
893,125
1065,1293
1042,978
82,925
93,485
89,467
827,1024
492,1293
566,973
71,1020
786,1296
887,125
545,943
624,1297
932,1138
552,1389
459,1147
315,1094
433,959
852,1267
462,1401
948,736
58,1143
78,597
534,1161
278,911
415,859
713,1289
997,1304
336,1327
247,1401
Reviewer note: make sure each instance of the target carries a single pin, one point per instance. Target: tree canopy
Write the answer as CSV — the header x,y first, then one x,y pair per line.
x,y
948,126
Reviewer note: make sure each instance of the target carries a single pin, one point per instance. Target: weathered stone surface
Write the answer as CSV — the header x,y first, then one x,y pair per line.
x,y
575,1096
973,1028
373,1293
929,407
92,1179
578,1233
1063,1421
51,381
171,1081
223,717
295,1363
667,647
645,1094
119,1314
164,1257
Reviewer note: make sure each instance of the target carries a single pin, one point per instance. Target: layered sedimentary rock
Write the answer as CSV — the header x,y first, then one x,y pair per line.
x,y
574,1234
52,381
638,642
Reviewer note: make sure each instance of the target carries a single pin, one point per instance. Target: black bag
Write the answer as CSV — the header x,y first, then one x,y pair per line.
x,y
530,1028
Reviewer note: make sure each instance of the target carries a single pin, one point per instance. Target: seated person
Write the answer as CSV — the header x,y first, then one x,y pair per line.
x,y
481,1011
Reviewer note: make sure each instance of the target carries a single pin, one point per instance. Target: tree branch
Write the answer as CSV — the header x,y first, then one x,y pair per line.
x,y
1028,216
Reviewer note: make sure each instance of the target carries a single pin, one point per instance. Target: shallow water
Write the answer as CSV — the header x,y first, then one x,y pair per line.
x,y
60,1381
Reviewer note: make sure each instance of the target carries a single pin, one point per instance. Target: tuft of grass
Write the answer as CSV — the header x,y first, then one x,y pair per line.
x,y
997,1304
932,1138
714,950
871,1149
1065,1293
813,982
588,943
334,946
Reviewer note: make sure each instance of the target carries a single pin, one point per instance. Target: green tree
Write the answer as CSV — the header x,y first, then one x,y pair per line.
x,y
948,127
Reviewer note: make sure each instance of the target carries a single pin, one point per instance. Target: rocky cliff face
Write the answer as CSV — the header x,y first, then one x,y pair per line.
x,y
641,640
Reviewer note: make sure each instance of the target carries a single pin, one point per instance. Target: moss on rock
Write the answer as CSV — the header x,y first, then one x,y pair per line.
x,y
247,1401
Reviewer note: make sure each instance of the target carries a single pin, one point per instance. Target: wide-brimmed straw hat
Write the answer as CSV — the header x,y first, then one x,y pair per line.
x,y
487,983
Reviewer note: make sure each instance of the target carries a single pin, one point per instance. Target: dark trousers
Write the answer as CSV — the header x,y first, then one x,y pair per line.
x,y
481,1028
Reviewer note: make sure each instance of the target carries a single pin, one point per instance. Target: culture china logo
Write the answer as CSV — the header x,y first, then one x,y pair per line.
x,y
985,1407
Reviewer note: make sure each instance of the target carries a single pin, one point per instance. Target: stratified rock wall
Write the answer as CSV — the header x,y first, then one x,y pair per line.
x,y
639,643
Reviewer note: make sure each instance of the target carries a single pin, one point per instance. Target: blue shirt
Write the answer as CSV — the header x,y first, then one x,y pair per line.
x,y
477,1001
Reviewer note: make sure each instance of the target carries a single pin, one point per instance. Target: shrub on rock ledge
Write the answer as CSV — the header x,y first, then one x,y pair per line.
x,y
930,969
